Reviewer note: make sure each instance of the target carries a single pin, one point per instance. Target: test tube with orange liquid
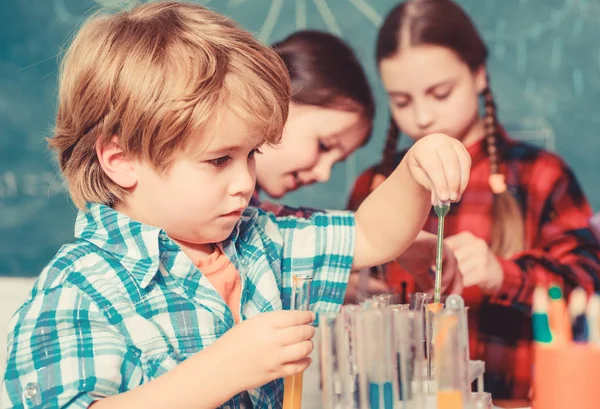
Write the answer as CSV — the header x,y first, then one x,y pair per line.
x,y
448,353
292,385
429,311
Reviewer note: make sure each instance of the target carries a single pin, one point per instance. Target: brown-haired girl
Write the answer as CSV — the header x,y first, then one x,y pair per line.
x,y
331,116
523,220
331,113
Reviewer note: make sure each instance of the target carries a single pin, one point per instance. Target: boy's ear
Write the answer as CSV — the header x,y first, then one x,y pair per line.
x,y
115,164
481,79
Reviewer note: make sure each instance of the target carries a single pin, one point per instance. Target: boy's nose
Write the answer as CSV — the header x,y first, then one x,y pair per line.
x,y
244,182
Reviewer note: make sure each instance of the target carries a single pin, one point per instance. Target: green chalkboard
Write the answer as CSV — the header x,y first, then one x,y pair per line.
x,y
545,69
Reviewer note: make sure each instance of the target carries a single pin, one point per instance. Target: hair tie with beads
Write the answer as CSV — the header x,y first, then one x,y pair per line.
x,y
497,183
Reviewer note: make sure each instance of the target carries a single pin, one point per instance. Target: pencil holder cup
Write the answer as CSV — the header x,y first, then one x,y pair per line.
x,y
566,377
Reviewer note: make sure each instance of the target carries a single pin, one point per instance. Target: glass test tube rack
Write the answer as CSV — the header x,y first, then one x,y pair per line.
x,y
381,356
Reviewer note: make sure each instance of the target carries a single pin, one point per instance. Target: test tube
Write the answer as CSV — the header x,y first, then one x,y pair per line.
x,y
376,358
448,356
292,385
407,335
455,302
418,301
340,376
382,300
331,356
350,376
430,311
441,209
399,307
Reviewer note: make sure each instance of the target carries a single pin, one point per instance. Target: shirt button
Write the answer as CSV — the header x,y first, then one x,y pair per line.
x,y
32,393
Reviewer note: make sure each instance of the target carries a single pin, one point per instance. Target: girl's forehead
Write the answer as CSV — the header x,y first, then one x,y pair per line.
x,y
420,67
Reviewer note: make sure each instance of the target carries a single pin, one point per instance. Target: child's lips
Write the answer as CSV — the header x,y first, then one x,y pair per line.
x,y
234,213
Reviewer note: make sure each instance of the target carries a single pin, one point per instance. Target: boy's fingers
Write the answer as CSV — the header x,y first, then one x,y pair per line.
x,y
298,366
284,319
451,167
297,351
435,173
296,334
465,168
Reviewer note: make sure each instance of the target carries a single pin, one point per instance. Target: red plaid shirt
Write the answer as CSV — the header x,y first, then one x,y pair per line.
x,y
560,248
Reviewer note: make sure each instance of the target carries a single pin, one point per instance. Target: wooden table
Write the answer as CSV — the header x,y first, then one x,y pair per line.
x,y
512,403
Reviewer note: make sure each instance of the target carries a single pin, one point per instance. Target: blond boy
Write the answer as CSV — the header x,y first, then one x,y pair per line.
x,y
171,295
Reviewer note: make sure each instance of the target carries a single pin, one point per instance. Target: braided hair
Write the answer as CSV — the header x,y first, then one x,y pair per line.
x,y
444,23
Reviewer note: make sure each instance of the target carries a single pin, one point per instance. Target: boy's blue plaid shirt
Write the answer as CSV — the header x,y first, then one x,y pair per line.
x,y
123,305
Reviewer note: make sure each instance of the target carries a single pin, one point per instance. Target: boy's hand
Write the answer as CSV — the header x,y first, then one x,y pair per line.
x,y
440,164
435,169
269,346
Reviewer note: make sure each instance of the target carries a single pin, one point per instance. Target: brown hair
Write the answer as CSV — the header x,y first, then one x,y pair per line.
x,y
154,77
444,23
325,72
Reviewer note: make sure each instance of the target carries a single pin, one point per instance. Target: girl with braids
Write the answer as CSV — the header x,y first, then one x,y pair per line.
x,y
330,117
523,219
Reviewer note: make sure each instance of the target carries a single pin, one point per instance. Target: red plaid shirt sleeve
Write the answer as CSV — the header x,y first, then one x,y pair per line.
x,y
563,249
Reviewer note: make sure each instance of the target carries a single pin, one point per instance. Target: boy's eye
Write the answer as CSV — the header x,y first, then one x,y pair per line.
x,y
253,153
323,147
220,162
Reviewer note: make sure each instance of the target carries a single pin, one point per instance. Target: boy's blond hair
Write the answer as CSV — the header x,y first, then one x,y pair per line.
x,y
153,77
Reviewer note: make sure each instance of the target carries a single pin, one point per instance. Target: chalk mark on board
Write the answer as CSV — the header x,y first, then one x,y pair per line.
x,y
270,20
328,17
368,11
535,30
301,14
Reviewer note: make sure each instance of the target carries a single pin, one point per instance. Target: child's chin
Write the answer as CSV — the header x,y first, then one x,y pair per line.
x,y
224,233
279,193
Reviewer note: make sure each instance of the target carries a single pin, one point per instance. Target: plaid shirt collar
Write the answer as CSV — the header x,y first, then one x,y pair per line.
x,y
138,246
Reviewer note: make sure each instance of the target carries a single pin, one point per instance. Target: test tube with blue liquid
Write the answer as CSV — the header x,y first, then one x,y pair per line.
x,y
377,357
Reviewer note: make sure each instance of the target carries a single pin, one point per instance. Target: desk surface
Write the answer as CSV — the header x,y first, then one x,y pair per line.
x,y
512,403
